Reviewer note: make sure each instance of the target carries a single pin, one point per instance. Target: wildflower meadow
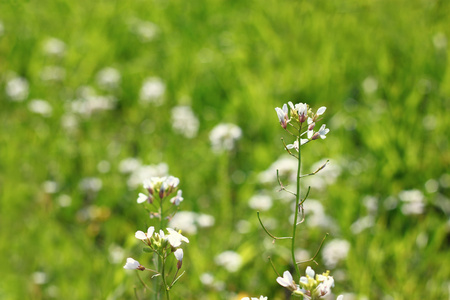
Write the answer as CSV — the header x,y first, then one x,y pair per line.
x,y
165,149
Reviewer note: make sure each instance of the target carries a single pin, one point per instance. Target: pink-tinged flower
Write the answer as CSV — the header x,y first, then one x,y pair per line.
x,y
175,238
321,133
133,265
144,236
283,115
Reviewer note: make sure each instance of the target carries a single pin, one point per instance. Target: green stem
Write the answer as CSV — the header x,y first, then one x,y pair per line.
x,y
297,201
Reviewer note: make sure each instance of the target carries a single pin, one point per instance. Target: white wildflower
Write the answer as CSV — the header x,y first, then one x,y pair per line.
x,y
335,251
224,137
260,202
184,121
54,47
17,89
175,238
230,260
41,107
152,91
108,78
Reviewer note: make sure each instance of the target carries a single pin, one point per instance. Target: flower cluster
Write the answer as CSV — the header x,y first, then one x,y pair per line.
x,y
299,114
311,286
161,187
159,242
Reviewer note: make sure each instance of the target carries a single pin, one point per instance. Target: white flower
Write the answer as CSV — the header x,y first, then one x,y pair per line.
x,y
175,238
184,121
260,202
301,109
108,78
179,254
310,272
321,110
152,91
340,297
142,198
230,260
334,252
132,264
282,115
41,107
54,47
17,89
321,133
224,136
254,298
91,184
177,199
143,236
287,280
295,144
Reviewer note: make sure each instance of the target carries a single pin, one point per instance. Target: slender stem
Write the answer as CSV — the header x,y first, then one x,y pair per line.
x,y
297,201
317,252
271,235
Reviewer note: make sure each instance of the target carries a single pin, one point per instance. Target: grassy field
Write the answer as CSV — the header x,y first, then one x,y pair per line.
x,y
88,86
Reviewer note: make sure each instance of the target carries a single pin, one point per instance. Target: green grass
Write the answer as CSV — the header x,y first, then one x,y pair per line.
x,y
231,61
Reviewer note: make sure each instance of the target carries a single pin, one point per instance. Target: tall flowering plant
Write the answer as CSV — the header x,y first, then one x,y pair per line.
x,y
300,121
161,199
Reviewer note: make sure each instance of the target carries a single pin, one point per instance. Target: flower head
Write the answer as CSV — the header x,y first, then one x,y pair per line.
x,y
133,265
175,238
145,236
283,115
287,281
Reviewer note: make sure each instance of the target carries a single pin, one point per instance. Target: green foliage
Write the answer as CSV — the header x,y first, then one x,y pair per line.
x,y
380,67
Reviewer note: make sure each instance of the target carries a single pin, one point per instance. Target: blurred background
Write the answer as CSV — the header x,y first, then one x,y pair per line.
x,y
97,95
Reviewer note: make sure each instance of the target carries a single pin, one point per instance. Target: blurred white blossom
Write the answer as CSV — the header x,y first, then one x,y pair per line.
x,y
91,184
108,78
2,28
39,278
143,172
17,89
286,166
50,187
370,85
54,47
224,136
260,202
184,121
230,260
116,254
145,30
64,200
413,202
334,252
41,107
189,221
362,223
91,104
129,164
152,91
